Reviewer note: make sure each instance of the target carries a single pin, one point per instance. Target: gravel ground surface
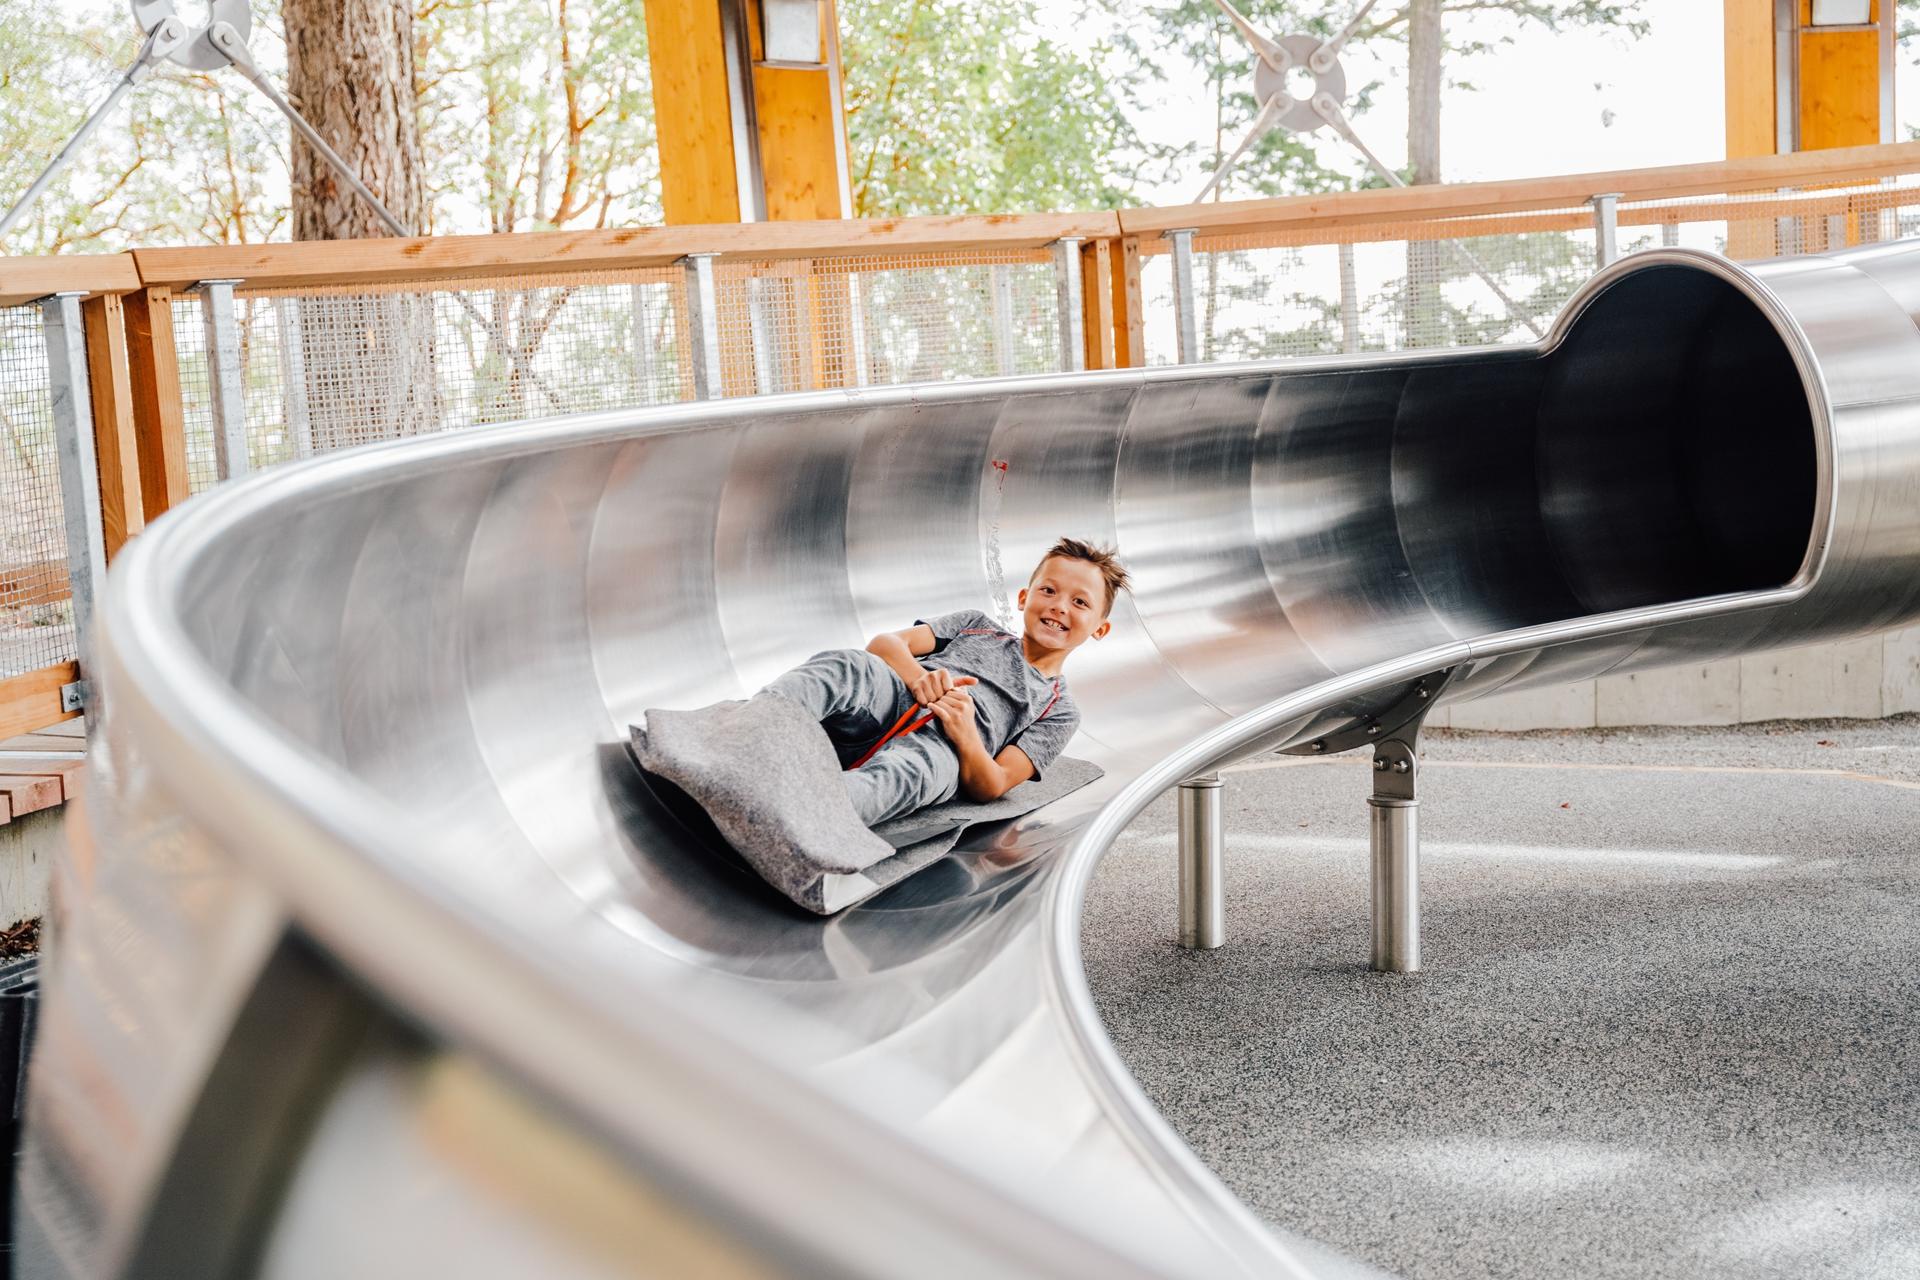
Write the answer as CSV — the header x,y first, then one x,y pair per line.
x,y
1888,748
1669,1023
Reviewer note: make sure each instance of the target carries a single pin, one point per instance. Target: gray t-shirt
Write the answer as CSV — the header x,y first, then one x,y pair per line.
x,y
1014,704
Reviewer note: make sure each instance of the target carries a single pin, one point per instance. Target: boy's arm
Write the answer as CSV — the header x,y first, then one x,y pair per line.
x,y
898,649
982,777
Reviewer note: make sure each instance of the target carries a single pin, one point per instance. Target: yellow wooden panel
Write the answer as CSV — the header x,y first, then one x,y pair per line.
x,y
1749,78
798,137
1839,89
692,112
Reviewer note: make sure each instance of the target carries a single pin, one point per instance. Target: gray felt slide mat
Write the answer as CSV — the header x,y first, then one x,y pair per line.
x,y
764,772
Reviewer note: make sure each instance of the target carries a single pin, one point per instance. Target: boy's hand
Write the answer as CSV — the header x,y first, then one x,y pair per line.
x,y
954,710
935,685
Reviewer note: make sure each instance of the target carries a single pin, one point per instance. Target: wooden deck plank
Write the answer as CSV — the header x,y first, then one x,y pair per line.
x,y
43,741
69,770
29,793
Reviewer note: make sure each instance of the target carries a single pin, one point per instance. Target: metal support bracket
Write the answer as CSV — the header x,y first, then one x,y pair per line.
x,y
1393,836
75,695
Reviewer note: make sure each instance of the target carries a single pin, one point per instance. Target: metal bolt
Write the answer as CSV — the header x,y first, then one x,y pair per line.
x,y
1319,744
1373,731
1379,765
1422,691
1401,766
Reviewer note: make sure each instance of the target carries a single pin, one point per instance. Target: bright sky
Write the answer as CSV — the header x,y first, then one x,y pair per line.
x,y
1563,102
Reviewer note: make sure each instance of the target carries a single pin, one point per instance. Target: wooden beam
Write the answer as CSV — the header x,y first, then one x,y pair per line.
x,y
693,122
29,793
32,701
1447,200
111,386
24,280
1096,302
401,261
1129,310
159,424
1749,78
68,771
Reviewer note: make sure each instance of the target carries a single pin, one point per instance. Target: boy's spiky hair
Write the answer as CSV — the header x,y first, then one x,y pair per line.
x,y
1112,572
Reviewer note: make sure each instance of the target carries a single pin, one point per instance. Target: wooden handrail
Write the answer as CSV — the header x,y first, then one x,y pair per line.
x,y
24,280
337,262
1456,200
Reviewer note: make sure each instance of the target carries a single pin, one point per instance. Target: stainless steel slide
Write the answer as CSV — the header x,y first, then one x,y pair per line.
x,y
380,961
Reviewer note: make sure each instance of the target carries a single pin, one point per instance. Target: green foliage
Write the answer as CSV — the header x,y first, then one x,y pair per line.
x,y
956,106
536,115
187,157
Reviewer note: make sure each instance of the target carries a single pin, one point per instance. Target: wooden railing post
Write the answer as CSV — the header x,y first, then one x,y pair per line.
x,y
1096,302
1129,312
121,512
159,426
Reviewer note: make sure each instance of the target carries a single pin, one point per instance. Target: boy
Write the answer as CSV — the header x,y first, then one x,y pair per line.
x,y
955,703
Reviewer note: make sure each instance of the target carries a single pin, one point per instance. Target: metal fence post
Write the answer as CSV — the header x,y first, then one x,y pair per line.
x,y
766,368
703,315
61,326
224,380
1606,228
1836,231
1066,286
293,376
1186,319
1349,301
1002,277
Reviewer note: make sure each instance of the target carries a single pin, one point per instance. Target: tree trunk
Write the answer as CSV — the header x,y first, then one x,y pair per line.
x,y
350,73
1425,322
1424,55
368,361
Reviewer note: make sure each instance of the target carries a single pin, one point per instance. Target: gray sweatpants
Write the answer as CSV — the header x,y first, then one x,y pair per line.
x,y
856,697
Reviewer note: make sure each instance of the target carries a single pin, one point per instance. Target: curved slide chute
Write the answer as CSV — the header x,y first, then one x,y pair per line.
x,y
380,961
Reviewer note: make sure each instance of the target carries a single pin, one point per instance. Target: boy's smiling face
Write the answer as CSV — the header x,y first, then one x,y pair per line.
x,y
1065,605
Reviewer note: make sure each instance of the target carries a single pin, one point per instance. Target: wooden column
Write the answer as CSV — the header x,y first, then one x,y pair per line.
x,y
692,114
111,386
786,136
159,426
803,133
1749,78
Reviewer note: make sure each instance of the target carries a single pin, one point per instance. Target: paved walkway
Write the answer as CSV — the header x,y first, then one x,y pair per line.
x,y
1669,1024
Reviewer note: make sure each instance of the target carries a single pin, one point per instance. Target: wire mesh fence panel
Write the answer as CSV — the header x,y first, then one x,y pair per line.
x,y
196,390
1750,226
1465,283
36,612
331,368
800,324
